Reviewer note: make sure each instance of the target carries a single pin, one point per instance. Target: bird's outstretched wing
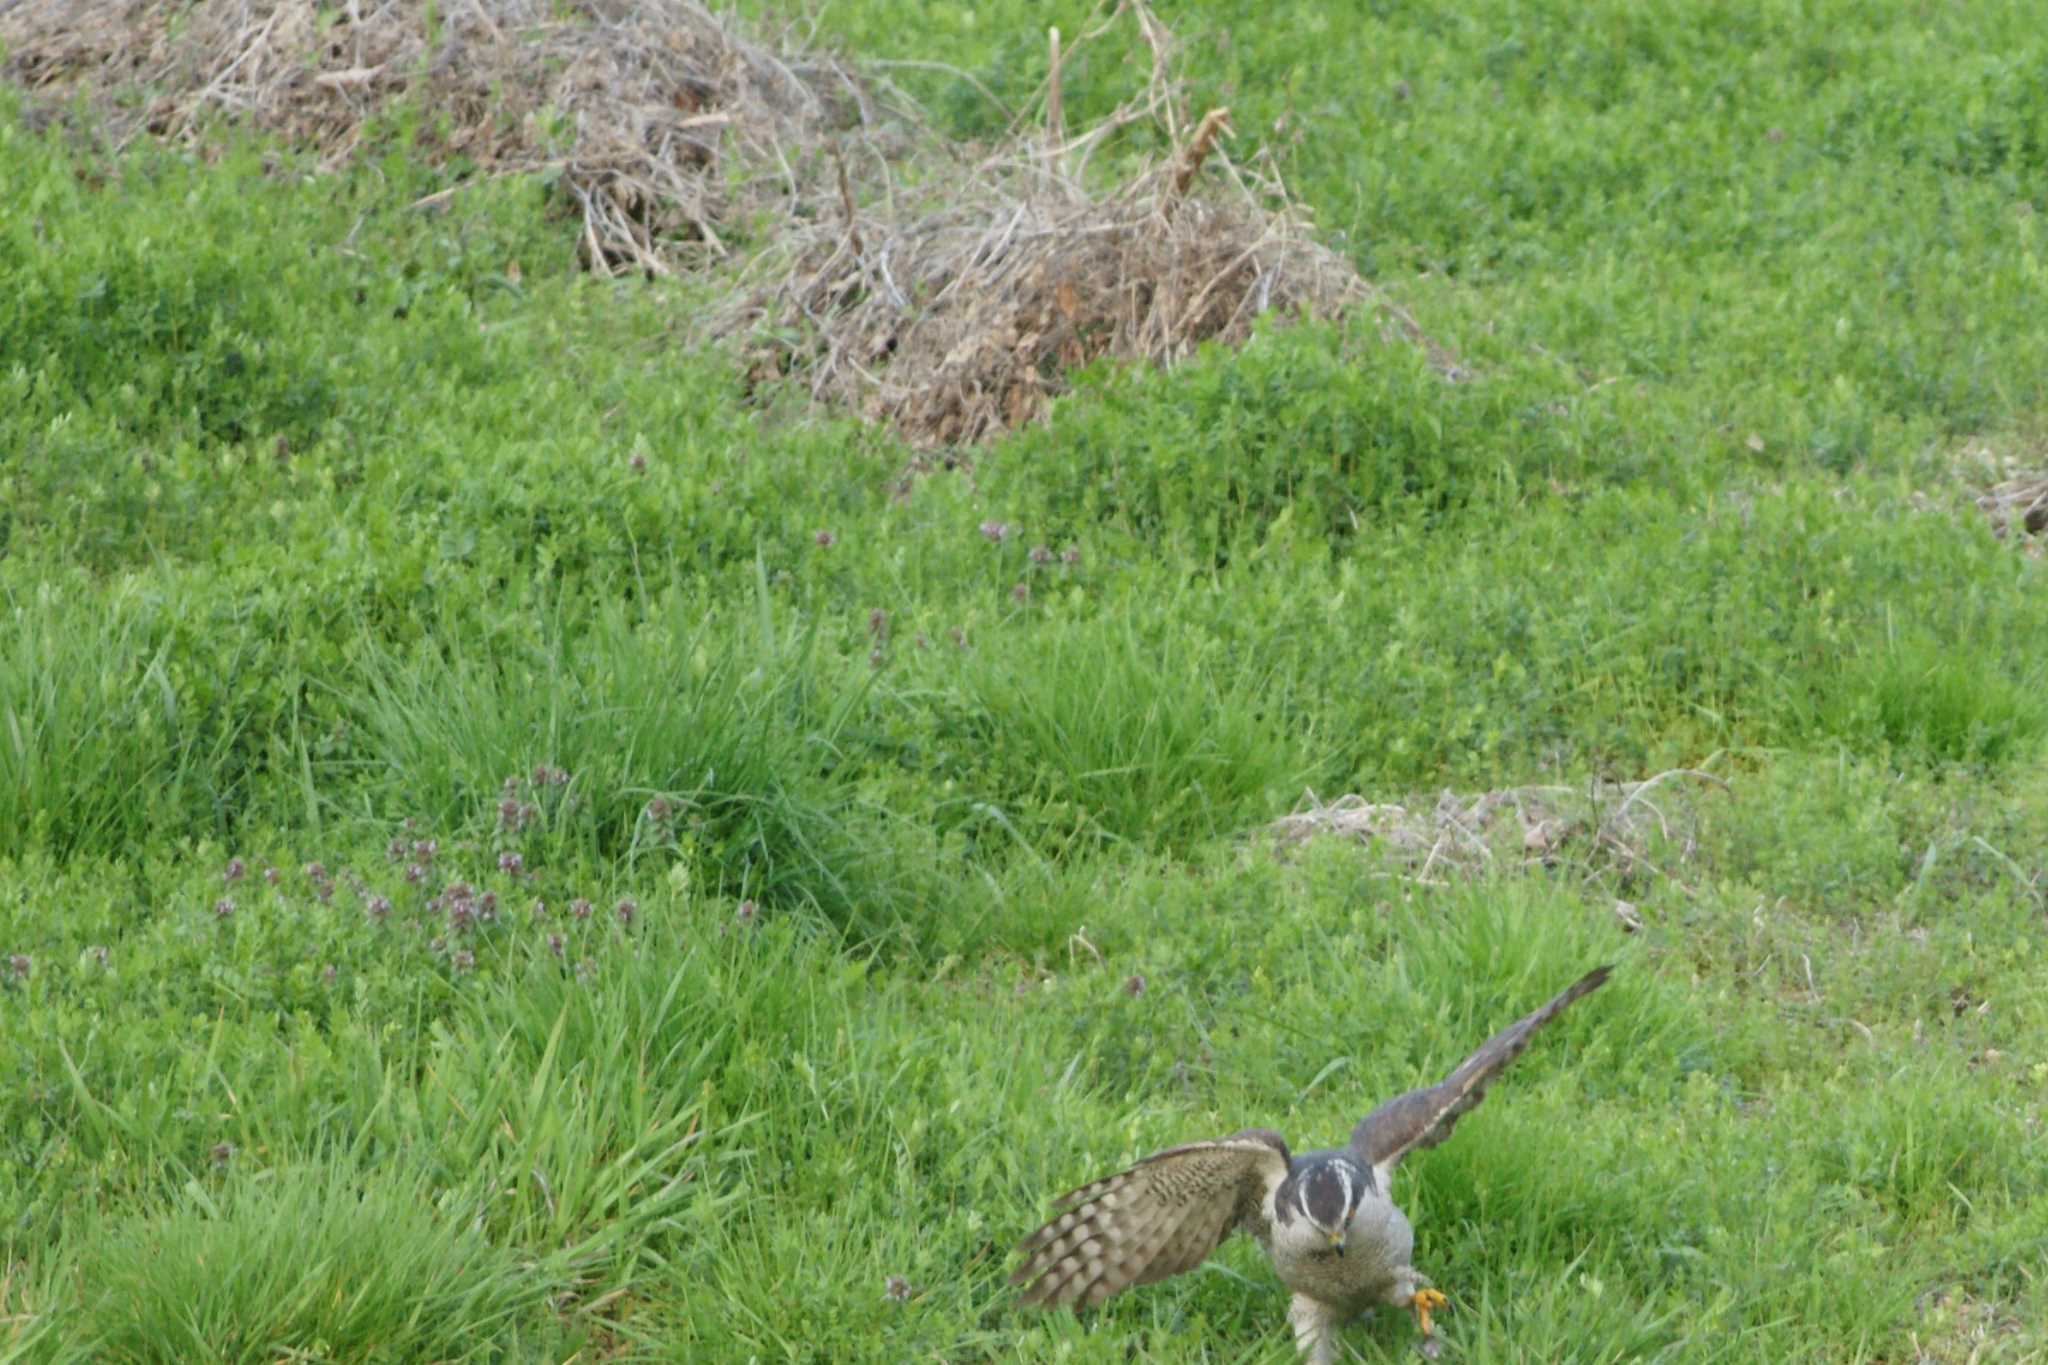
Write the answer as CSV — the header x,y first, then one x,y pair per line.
x,y
1423,1118
1159,1218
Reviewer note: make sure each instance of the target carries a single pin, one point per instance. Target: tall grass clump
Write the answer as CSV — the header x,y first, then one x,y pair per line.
x,y
602,1097
1083,732
307,1262
672,738
100,745
1947,704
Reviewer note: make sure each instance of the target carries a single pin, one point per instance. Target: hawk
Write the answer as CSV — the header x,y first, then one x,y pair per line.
x,y
1326,1218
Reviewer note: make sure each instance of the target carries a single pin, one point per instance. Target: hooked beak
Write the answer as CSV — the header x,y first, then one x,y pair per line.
x,y
1337,1242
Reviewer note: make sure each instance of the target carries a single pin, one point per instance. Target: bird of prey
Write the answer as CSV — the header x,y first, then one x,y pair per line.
x,y
1326,1218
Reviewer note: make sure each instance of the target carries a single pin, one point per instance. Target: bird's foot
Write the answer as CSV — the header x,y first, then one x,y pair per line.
x,y
1425,1302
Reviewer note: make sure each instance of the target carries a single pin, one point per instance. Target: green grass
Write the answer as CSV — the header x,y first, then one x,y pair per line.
x,y
509,852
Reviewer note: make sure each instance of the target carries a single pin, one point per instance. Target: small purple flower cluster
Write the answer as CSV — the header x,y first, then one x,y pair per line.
x,y
323,885
454,921
1041,556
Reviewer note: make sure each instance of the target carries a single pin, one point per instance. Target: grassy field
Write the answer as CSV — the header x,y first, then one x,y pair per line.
x,y
510,850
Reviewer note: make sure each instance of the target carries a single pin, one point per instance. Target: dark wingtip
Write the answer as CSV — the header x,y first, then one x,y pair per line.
x,y
1591,981
1583,987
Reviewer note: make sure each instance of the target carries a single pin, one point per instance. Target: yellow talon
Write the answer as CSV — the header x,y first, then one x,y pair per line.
x,y
1425,1302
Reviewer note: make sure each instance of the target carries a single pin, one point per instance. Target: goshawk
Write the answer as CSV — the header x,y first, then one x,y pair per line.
x,y
1326,1218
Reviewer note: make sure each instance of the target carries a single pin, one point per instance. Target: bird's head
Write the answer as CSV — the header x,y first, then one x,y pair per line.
x,y
1326,1192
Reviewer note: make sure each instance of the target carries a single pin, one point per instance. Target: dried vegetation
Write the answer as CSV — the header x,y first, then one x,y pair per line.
x,y
947,289
2010,477
1630,829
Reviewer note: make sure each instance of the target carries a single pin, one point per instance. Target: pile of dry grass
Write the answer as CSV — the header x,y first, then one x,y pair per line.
x,y
2009,474
640,105
1632,829
963,317
2017,506
943,289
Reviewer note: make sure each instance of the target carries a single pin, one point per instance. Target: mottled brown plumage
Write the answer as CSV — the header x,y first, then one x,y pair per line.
x,y
1159,1218
1335,1236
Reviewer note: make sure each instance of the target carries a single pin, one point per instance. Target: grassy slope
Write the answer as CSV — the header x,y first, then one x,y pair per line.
x,y
303,543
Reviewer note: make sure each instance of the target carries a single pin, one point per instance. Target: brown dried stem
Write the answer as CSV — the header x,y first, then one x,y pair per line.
x,y
1196,152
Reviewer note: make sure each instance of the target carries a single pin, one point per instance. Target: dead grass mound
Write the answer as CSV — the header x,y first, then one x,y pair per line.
x,y
1635,830
2009,476
959,314
947,290
2017,506
642,106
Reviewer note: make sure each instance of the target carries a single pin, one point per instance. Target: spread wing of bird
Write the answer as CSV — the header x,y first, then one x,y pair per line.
x,y
1423,1118
1159,1218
